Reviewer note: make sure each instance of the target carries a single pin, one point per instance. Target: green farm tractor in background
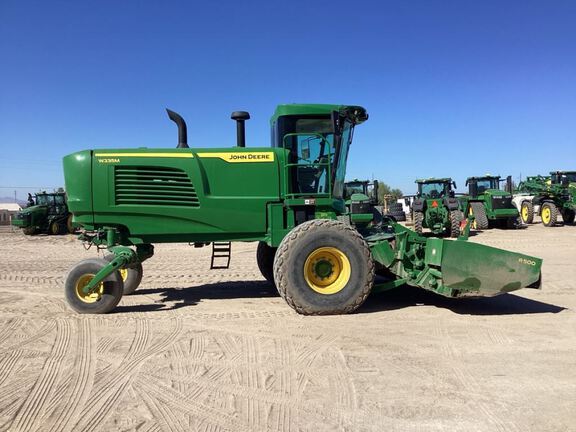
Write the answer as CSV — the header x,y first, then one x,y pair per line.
x,y
548,196
490,205
435,207
289,197
361,199
46,213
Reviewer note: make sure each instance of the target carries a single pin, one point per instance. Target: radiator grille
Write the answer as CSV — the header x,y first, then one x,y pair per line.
x,y
159,186
502,202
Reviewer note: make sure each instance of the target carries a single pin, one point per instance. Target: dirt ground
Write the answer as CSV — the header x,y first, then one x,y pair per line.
x,y
201,350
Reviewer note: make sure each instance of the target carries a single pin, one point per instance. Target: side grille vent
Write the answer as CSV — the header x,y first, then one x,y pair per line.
x,y
148,185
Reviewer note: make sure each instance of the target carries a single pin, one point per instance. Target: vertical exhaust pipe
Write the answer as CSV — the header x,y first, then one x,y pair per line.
x,y
182,132
240,117
508,187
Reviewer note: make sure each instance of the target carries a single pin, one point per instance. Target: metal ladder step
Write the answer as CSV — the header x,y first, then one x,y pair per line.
x,y
220,250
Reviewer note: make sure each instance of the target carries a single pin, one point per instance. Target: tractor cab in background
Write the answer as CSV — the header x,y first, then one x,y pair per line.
x,y
361,198
46,213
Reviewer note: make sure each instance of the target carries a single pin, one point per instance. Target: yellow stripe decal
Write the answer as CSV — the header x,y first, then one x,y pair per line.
x,y
145,155
241,157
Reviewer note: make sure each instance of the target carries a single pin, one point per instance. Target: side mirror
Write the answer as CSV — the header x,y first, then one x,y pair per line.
x,y
454,184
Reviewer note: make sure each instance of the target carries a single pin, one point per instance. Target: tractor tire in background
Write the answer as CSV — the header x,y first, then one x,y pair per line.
x,y
479,212
549,214
265,259
527,212
29,230
455,219
324,267
418,219
131,276
513,222
57,228
103,299
568,216
70,224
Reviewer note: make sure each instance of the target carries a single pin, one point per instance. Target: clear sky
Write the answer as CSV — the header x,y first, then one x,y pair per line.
x,y
453,88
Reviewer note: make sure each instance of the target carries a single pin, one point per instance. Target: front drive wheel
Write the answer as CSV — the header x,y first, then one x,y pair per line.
x,y
418,219
323,267
131,276
549,214
103,298
455,219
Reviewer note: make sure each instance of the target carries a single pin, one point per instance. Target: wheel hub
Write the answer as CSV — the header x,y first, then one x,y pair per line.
x,y
327,270
92,296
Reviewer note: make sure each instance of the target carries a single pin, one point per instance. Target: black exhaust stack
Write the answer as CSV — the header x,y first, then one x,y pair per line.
x,y
182,132
240,117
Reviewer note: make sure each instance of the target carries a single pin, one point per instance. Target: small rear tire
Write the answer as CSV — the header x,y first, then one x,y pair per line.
x,y
131,276
324,267
549,214
103,298
527,212
265,259
56,228
70,224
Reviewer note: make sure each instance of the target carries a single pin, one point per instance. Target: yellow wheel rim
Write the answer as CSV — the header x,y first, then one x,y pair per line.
x,y
471,213
94,295
123,274
524,213
546,216
327,270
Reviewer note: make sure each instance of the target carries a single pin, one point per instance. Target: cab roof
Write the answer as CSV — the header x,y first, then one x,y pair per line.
x,y
434,180
356,113
487,176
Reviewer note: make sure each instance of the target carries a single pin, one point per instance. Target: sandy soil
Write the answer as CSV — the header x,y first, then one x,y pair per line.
x,y
205,350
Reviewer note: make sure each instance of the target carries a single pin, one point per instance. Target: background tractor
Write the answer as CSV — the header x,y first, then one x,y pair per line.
x,y
436,207
45,213
361,198
289,197
547,196
490,205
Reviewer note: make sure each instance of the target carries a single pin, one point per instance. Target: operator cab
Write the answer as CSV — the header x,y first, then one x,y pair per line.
x,y
318,138
479,185
563,177
436,188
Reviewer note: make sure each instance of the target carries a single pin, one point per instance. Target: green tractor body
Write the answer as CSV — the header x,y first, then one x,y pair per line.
x,y
548,196
361,199
490,205
289,197
435,207
46,213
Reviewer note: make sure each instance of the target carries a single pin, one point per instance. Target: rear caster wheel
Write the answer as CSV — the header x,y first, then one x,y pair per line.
x,y
103,298
265,259
131,276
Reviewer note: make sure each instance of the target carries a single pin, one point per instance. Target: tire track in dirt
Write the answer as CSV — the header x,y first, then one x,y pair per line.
x,y
469,382
113,386
85,366
9,330
7,365
31,411
163,414
38,335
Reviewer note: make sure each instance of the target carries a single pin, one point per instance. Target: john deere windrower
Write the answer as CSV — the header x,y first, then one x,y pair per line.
x,y
288,197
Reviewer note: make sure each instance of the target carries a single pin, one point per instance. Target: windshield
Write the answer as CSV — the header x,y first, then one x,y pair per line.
x,y
432,190
570,176
484,184
43,200
355,188
347,133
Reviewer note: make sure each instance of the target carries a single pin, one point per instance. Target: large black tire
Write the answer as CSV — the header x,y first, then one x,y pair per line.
x,y
549,214
265,259
109,291
568,216
131,276
418,219
479,212
455,219
57,228
527,212
29,230
324,267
